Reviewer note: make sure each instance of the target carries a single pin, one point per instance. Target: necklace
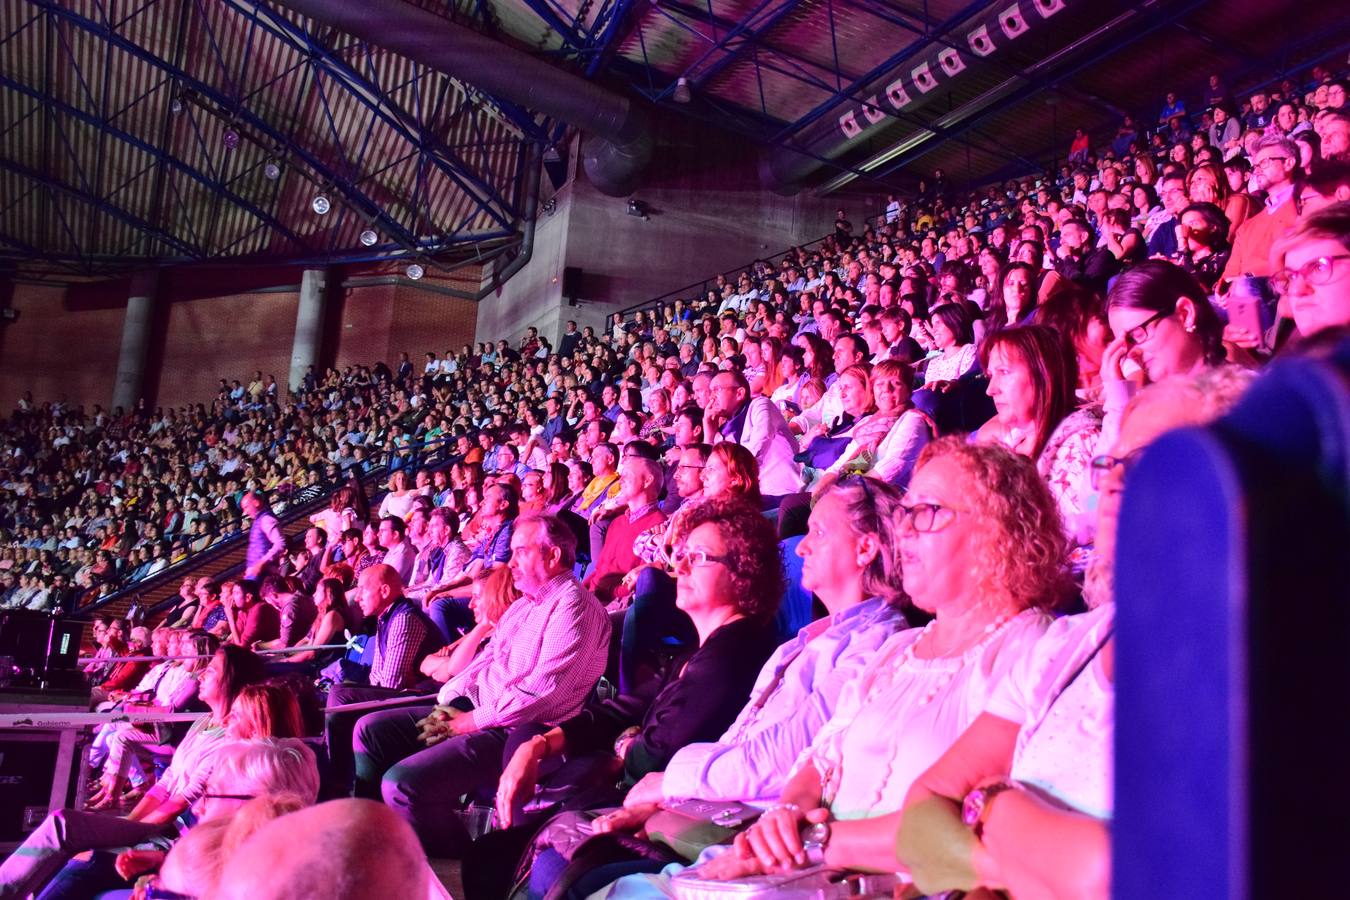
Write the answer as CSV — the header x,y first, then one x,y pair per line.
x,y
945,678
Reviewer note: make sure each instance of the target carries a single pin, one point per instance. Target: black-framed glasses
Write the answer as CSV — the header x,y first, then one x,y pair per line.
x,y
695,558
1104,465
1143,331
1314,271
695,466
1271,159
927,518
229,796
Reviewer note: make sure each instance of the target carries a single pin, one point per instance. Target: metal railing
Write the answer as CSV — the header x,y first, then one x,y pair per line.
x,y
432,453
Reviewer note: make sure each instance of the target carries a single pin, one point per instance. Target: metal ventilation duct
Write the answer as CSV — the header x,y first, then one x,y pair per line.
x,y
619,141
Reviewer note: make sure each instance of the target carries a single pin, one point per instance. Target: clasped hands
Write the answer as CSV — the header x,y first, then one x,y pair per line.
x,y
771,846
439,725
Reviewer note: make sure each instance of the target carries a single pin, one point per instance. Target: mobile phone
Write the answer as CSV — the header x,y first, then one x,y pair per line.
x,y
1247,305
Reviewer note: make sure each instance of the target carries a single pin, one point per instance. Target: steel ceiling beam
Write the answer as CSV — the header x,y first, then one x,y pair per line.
x,y
55,104
372,96
96,202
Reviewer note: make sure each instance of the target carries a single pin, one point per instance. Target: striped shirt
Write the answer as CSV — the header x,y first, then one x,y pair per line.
x,y
545,656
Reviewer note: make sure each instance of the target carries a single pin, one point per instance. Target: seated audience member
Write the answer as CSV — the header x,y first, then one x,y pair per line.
x,y
295,611
1164,325
398,502
181,614
404,635
757,425
1032,380
493,593
1022,801
983,551
640,483
67,832
851,560
729,583
824,443
548,651
331,624
888,455
447,603
952,331
180,686
125,675
250,619
1314,274
210,615
352,849
399,552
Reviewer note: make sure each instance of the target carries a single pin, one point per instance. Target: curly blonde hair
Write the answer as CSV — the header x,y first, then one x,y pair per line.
x,y
1024,554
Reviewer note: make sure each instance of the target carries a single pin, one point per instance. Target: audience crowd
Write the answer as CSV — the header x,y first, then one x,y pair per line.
x,y
812,570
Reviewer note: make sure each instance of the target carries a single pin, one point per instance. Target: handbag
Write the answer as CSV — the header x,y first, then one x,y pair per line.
x,y
691,826
813,883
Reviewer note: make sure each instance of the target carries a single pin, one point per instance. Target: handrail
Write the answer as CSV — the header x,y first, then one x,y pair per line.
x,y
703,285
428,453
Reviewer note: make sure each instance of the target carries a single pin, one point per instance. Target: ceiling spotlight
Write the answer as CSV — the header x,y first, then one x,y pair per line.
x,y
369,237
272,170
176,106
321,205
415,271
681,94
551,205
637,208
230,138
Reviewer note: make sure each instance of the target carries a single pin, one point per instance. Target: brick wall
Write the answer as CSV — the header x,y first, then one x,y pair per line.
x,y
225,337
56,352
64,348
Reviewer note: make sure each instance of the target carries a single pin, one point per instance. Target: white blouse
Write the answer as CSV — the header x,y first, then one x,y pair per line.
x,y
1064,747
902,713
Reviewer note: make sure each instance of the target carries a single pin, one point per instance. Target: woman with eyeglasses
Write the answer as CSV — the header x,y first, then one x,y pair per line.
x,y
68,832
1022,802
1164,325
729,581
1313,279
982,551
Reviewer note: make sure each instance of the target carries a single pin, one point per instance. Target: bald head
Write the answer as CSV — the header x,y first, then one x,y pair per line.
x,y
377,588
352,850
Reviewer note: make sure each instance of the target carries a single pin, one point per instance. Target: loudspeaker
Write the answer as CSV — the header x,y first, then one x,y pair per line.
x,y
571,284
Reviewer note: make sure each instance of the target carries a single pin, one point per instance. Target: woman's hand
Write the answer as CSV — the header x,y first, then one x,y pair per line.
x,y
1113,358
731,866
649,789
133,863
775,840
627,818
519,779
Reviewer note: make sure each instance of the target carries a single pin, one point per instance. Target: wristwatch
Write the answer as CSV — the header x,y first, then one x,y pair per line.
x,y
814,840
976,804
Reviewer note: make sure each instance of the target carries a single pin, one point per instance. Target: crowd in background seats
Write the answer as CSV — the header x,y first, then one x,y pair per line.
x,y
829,549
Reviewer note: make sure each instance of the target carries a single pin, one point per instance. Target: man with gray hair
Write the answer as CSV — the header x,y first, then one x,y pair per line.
x,y
546,655
640,482
1275,166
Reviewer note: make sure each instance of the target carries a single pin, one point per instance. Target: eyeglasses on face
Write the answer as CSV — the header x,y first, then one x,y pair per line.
x,y
1314,271
1104,465
683,558
927,518
1270,159
1143,331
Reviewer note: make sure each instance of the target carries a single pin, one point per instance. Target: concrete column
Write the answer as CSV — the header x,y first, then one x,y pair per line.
x,y
136,328
308,325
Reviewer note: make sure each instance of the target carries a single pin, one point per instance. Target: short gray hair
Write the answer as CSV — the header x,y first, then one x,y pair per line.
x,y
555,534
